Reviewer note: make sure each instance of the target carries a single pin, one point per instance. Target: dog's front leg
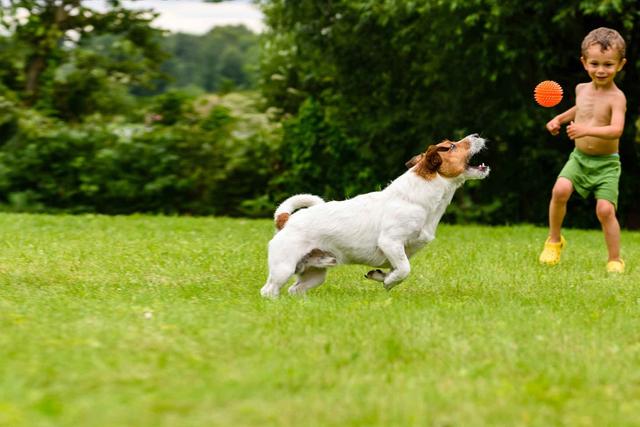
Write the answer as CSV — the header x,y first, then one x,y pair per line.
x,y
400,267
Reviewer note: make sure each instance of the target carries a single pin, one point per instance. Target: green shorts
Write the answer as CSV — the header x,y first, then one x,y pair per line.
x,y
594,174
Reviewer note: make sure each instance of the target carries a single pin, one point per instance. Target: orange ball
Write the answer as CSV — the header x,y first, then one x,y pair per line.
x,y
548,93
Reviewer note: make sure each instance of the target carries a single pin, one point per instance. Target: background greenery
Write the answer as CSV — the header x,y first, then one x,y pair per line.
x,y
222,60
100,112
389,78
158,321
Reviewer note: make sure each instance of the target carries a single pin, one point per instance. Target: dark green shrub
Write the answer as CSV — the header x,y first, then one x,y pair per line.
x,y
196,166
319,157
8,119
391,77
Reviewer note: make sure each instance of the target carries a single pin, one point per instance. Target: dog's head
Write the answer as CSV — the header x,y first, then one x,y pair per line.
x,y
450,160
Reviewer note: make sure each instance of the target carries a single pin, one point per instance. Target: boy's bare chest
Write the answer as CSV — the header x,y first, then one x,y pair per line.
x,y
593,109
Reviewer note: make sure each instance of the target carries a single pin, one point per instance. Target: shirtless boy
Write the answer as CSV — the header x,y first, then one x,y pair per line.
x,y
596,123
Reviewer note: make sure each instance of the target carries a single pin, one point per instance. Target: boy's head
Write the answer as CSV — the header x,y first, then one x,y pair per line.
x,y
603,51
605,38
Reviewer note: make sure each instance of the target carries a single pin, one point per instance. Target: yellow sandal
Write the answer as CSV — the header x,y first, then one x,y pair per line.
x,y
615,266
551,253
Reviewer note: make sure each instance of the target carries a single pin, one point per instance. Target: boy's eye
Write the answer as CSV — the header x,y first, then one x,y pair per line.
x,y
595,64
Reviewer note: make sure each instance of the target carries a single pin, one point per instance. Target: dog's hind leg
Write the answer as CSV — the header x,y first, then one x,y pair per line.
x,y
316,258
400,267
278,276
309,279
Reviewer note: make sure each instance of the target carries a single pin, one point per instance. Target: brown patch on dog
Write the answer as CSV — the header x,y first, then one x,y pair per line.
x,y
455,162
281,220
414,161
428,164
451,169
447,158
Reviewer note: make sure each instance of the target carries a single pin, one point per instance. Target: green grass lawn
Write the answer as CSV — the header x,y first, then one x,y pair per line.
x,y
158,321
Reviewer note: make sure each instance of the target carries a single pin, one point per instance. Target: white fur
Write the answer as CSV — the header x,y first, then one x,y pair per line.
x,y
297,202
380,229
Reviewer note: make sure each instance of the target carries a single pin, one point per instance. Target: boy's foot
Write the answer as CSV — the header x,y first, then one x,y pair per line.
x,y
551,253
615,266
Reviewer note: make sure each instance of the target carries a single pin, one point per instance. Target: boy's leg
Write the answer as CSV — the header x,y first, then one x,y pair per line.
x,y
558,207
606,213
607,196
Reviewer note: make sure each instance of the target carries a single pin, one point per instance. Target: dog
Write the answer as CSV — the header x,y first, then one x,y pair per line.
x,y
380,229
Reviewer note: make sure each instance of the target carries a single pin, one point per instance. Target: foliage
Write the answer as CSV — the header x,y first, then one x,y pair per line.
x,y
76,134
318,156
182,161
356,88
397,76
8,118
164,314
71,61
222,60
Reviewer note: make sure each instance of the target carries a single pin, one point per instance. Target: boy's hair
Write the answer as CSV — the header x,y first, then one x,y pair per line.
x,y
606,38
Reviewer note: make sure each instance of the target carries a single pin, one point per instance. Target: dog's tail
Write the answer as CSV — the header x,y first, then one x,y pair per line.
x,y
292,204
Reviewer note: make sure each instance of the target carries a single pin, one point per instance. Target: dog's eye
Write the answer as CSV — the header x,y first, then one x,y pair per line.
x,y
451,147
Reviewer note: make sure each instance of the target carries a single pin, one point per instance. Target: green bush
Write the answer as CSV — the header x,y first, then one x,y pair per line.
x,y
317,156
197,165
8,119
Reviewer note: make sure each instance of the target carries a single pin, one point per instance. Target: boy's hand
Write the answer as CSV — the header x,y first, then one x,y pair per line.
x,y
553,126
576,130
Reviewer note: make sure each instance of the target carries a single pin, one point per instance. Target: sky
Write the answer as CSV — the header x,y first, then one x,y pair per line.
x,y
195,16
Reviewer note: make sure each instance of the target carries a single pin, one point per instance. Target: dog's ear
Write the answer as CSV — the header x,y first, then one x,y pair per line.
x,y
432,159
414,161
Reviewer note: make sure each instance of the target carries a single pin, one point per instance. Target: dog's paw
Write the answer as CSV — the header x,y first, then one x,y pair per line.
x,y
269,291
389,286
377,275
296,289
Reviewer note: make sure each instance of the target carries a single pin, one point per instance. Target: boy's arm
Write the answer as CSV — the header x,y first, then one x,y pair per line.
x,y
568,115
554,124
612,131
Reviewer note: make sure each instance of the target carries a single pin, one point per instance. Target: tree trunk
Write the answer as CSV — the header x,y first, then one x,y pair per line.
x,y
54,19
35,68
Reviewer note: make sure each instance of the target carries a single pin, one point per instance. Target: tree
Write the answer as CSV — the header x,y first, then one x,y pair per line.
x,y
224,54
64,39
395,76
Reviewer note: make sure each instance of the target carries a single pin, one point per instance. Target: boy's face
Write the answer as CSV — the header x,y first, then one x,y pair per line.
x,y
602,66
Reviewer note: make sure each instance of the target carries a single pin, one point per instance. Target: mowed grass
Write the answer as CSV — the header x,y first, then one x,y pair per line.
x,y
158,321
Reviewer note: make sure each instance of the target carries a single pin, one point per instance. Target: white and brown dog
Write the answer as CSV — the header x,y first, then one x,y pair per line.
x,y
381,229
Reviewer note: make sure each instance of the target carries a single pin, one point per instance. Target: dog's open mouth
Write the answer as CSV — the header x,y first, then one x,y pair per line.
x,y
481,167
